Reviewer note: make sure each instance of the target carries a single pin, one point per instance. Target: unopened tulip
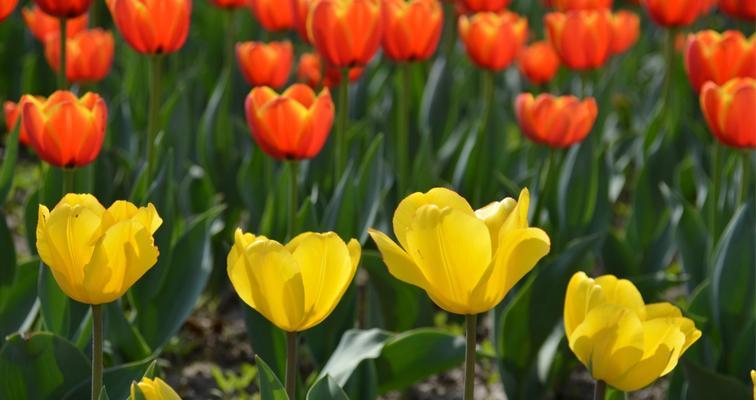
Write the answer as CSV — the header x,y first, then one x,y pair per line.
x,y
575,5
473,6
539,62
89,55
310,72
555,121
675,13
411,29
12,112
729,111
231,4
64,130
465,260
582,39
292,125
96,254
492,40
331,21
273,15
301,11
745,9
64,8
6,8
621,340
152,26
625,31
719,57
296,285
43,26
265,64
153,389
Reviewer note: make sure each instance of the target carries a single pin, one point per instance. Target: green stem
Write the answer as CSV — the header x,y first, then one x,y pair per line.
x,y
291,364
153,118
599,390
62,80
96,351
483,143
342,114
403,131
746,181
544,191
293,197
471,333
669,58
450,29
716,169
69,180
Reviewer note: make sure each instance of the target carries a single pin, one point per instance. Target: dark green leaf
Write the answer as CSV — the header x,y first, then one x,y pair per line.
x,y
326,388
355,347
17,301
9,162
270,387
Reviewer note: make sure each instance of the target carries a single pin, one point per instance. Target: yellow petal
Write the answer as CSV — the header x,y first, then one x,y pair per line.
x,y
355,252
327,268
582,296
453,250
155,389
622,292
662,310
82,200
441,197
236,268
399,263
518,218
494,216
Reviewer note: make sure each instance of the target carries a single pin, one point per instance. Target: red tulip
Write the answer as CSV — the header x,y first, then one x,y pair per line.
x,y
265,64
152,26
729,111
301,11
293,125
492,40
625,31
745,9
310,72
89,55
274,15
581,38
230,3
411,28
555,121
331,21
711,56
673,13
64,8
12,111
473,6
6,8
64,130
43,25
539,62
575,5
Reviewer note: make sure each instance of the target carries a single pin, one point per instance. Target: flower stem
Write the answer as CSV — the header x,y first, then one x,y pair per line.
x,y
69,180
291,364
403,131
62,80
544,192
154,113
342,111
716,171
293,197
96,351
471,333
483,143
746,177
599,390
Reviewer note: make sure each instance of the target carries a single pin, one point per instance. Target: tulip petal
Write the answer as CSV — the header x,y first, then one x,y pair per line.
x,y
622,292
582,296
399,263
441,197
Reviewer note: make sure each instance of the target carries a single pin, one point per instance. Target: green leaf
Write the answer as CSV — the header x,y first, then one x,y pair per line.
x,y
266,339
270,387
326,388
103,394
117,379
705,384
355,346
17,300
9,163
7,254
415,355
40,366
60,314
123,335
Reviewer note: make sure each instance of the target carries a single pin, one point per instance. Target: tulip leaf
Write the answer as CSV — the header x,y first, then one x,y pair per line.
x,y
267,340
705,384
9,163
7,253
270,387
40,366
17,300
103,394
117,379
355,346
326,388
123,335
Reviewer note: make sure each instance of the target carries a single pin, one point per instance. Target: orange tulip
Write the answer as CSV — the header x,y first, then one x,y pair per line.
x,y
472,6
6,8
555,121
152,26
745,9
310,72
331,21
12,111
411,28
301,10
625,31
274,15
575,5
539,62
581,38
265,64
492,40
729,111
64,8
672,13
719,57
43,25
64,130
89,55
230,3
293,125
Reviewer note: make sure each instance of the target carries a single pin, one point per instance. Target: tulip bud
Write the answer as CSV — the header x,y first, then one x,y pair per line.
x,y
12,112
43,26
231,4
555,121
6,8
153,389
539,62
729,111
265,64
330,21
301,12
473,6
581,38
719,57
64,8
273,15
412,29
745,9
576,5
493,40
676,13
625,31
89,55
152,26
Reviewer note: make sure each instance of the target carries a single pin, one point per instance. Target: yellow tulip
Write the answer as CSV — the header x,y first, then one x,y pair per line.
x,y
621,340
753,380
465,260
97,254
153,389
297,285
